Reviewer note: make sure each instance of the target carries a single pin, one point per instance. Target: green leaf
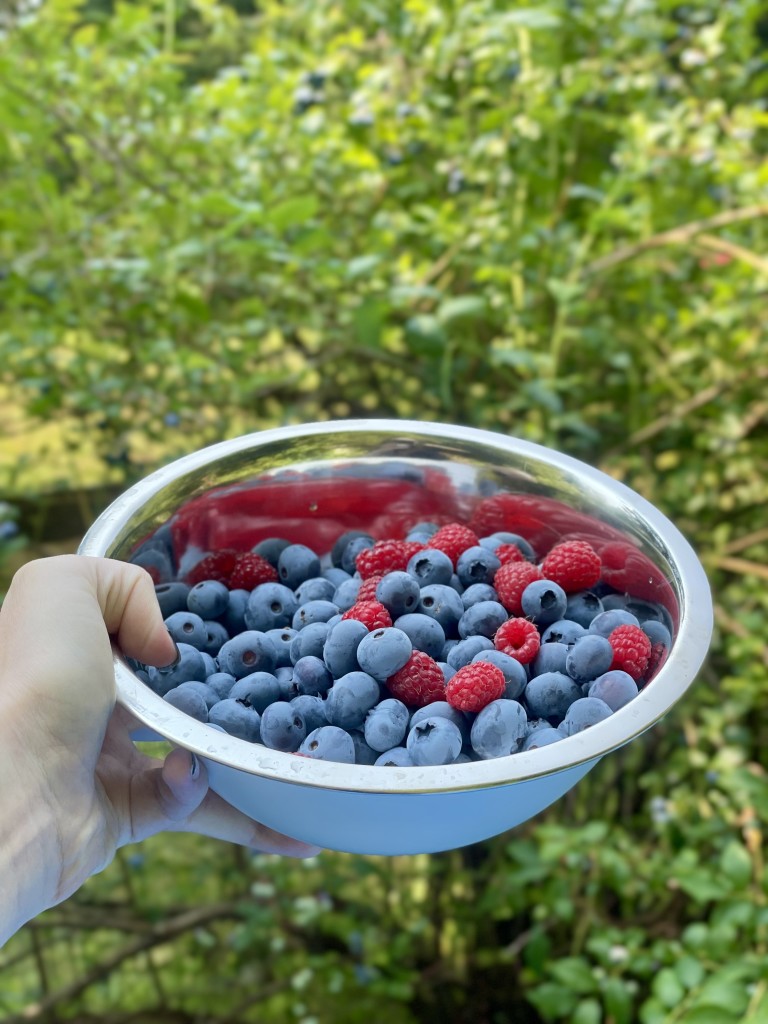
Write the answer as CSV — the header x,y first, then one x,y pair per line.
x,y
618,1000
555,1002
368,320
736,864
701,885
425,335
463,307
361,266
576,974
292,212
689,971
667,987
564,292
709,1015
531,17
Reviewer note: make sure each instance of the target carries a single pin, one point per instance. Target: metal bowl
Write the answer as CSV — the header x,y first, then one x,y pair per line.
x,y
310,483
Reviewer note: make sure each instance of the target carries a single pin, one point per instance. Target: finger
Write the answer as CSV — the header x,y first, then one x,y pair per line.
x,y
176,798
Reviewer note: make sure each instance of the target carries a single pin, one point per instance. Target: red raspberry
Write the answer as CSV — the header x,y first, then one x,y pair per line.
x,y
419,682
658,656
574,565
386,556
631,650
511,580
453,540
519,638
367,591
250,570
474,686
509,553
372,614
217,567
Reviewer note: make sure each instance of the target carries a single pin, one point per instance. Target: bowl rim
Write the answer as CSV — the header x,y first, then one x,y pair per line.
x,y
667,687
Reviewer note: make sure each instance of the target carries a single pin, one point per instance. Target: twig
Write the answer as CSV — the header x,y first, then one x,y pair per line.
x,y
738,252
675,236
740,566
160,933
746,541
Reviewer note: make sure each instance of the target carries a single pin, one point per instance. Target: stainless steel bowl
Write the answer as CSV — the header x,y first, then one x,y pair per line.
x,y
309,483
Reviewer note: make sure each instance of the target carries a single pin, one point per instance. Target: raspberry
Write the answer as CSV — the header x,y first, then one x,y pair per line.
x,y
367,591
509,553
474,686
574,565
372,614
213,567
657,658
386,556
511,580
631,650
519,638
250,570
419,682
453,540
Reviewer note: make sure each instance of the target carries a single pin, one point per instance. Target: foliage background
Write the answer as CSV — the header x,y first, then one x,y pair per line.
x,y
545,220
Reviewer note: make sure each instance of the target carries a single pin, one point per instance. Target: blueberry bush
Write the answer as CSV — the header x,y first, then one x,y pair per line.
x,y
545,219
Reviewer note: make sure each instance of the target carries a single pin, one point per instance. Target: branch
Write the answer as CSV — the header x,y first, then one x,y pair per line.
x,y
163,932
738,252
676,236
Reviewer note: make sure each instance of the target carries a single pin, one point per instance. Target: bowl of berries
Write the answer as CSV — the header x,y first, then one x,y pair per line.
x,y
400,637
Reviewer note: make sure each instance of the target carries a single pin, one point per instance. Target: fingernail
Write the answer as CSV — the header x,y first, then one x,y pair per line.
x,y
176,660
194,771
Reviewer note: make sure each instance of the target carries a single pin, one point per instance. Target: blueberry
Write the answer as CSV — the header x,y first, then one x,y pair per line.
x,y
448,647
329,743
515,675
346,593
434,741
282,727
564,631
172,597
271,548
233,618
188,701
236,719
615,687
311,676
296,564
350,699
313,611
311,709
550,695
270,606
456,583
583,607
364,754
583,713
336,577
317,588
427,528
398,592
209,665
544,602
209,695
215,637
208,599
499,729
156,558
425,634
251,651
187,627
309,641
442,603
541,738
284,677
398,757
478,592
352,550
605,623
221,683
386,724
466,649
477,565
191,665
657,632
430,567
340,648
551,658
257,690
282,639
382,652
337,551
514,538
446,669
442,709
588,658
482,619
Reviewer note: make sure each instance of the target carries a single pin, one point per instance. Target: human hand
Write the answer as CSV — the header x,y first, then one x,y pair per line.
x,y
75,788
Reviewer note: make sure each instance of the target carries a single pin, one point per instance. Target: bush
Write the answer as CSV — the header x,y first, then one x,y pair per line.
x,y
545,220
